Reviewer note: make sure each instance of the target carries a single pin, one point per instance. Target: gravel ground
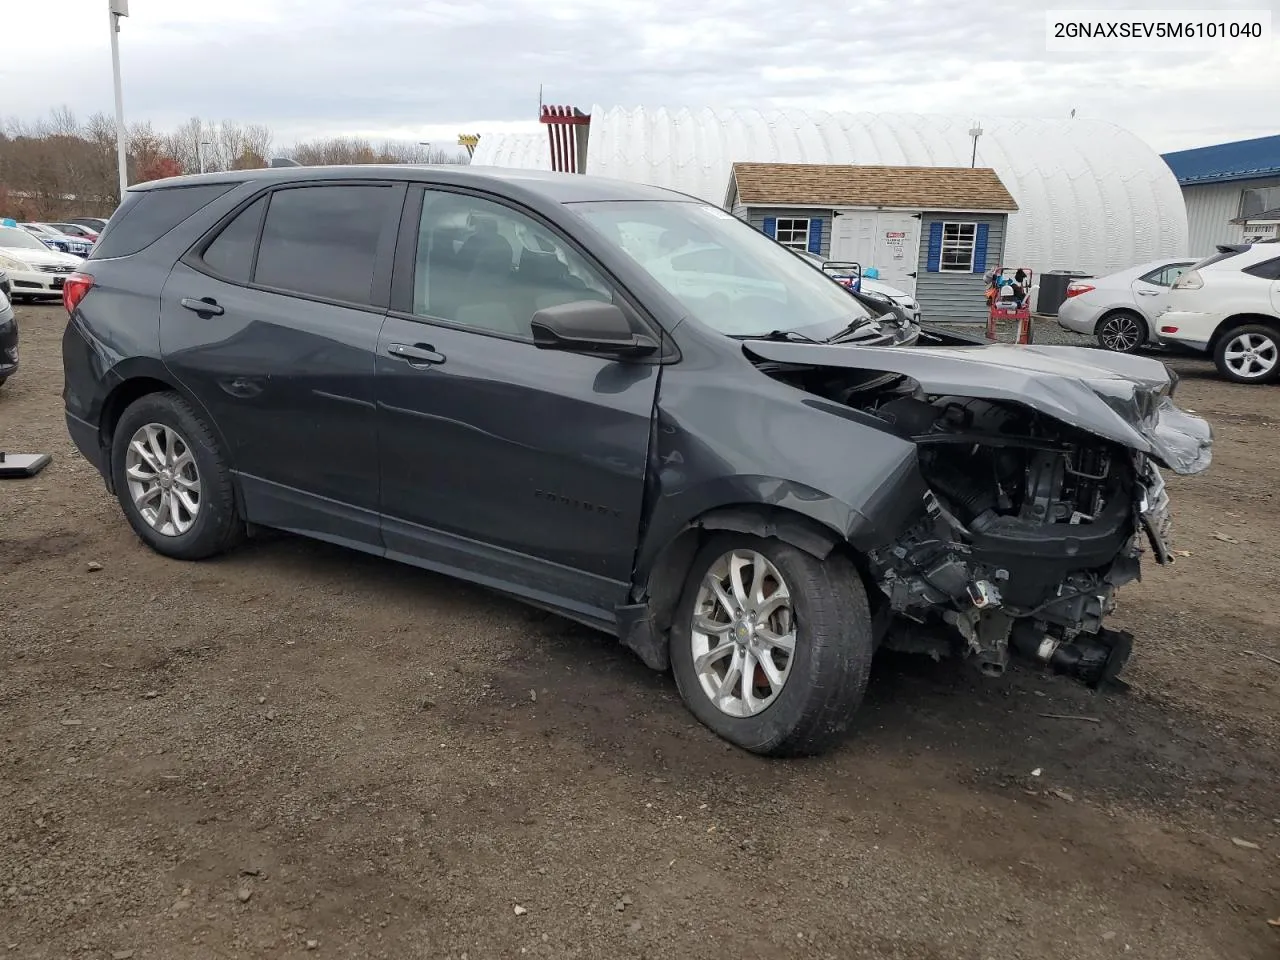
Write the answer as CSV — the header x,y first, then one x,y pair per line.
x,y
298,750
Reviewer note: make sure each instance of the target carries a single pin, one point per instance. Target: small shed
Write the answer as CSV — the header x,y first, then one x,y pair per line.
x,y
931,231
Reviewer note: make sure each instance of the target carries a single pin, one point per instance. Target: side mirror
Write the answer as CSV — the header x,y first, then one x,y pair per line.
x,y
589,326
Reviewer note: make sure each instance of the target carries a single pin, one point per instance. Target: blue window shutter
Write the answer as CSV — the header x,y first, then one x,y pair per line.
x,y
980,249
771,226
935,248
815,235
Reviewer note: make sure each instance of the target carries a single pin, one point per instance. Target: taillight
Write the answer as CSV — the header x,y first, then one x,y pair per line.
x,y
73,290
1075,289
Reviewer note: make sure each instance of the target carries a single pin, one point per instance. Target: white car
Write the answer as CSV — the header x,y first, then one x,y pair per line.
x,y
899,298
34,270
1120,309
1228,306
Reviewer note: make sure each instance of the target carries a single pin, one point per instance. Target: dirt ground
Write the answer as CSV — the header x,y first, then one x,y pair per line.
x,y
298,748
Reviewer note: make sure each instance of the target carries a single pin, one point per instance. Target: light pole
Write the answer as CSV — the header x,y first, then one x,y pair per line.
x,y
200,145
115,10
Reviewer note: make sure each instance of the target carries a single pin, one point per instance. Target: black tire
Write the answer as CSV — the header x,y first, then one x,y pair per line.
x,y
1269,341
833,652
218,525
1117,327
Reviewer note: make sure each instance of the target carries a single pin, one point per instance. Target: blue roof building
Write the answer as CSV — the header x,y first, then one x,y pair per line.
x,y
1224,186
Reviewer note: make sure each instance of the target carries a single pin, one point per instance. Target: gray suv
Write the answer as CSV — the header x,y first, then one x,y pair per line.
x,y
515,378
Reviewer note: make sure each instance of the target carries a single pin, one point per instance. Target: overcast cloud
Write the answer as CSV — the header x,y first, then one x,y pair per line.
x,y
429,69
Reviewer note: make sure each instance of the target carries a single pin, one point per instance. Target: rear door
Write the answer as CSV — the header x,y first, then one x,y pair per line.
x,y
272,321
1150,288
501,461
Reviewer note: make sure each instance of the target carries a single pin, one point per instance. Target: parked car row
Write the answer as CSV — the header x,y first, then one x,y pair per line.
x,y
35,266
1226,306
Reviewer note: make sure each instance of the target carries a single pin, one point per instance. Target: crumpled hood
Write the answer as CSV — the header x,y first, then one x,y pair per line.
x,y
1116,396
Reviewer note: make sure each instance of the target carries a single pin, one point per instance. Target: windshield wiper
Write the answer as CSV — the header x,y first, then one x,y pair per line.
x,y
788,335
854,325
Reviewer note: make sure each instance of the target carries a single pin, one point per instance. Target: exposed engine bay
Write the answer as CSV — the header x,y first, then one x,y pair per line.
x,y
1029,528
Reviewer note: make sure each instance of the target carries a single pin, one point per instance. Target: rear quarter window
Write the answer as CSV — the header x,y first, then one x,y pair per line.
x,y
148,215
1267,269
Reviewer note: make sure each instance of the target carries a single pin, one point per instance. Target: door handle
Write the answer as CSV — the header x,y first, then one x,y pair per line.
x,y
1148,293
205,306
417,355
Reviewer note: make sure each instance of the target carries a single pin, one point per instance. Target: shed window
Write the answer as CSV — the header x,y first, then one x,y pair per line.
x,y
793,232
958,242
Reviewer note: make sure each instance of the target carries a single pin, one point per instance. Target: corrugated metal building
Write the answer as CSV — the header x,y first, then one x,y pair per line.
x,y
1225,184
1091,196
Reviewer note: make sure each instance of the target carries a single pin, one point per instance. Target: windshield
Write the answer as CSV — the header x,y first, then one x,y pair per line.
x,y
19,239
729,276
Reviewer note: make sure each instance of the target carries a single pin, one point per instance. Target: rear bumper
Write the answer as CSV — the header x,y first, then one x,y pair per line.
x,y
1077,317
87,440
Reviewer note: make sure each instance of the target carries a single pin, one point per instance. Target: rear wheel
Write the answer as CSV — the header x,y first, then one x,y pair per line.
x,y
1121,332
771,647
171,479
1249,354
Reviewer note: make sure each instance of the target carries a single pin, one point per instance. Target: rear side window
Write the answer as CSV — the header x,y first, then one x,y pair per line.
x,y
147,216
1267,269
1166,276
231,254
322,241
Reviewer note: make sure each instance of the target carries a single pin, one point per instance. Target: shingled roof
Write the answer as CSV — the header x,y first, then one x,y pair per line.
x,y
848,185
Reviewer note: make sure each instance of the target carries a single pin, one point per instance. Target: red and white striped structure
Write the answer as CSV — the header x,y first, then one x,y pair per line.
x,y
567,131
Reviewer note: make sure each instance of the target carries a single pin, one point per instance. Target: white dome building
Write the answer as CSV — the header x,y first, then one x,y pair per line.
x,y
1091,196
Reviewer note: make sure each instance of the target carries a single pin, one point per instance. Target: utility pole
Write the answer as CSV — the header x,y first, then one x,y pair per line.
x,y
115,10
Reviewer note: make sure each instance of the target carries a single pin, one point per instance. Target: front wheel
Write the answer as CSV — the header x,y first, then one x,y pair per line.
x,y
1249,354
771,647
1121,332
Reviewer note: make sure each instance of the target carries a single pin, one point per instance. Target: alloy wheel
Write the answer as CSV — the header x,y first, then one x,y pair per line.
x,y
1121,333
164,482
743,633
1251,356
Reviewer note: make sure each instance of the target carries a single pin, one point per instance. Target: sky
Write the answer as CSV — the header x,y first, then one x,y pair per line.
x,y
428,69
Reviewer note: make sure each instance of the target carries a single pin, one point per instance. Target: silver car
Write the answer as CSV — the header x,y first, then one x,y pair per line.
x,y
1120,309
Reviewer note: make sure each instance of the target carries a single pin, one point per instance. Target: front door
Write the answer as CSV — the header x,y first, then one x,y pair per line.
x,y
886,240
273,326
514,465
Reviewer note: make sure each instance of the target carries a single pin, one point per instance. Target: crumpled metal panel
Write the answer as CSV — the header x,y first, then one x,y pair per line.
x,y
1118,397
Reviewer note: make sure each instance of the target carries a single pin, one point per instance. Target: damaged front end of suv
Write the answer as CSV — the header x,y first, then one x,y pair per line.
x,y
1044,488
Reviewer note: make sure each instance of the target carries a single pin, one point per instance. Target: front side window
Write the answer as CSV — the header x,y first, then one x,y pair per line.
x,y
958,243
483,265
726,274
793,232
322,241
